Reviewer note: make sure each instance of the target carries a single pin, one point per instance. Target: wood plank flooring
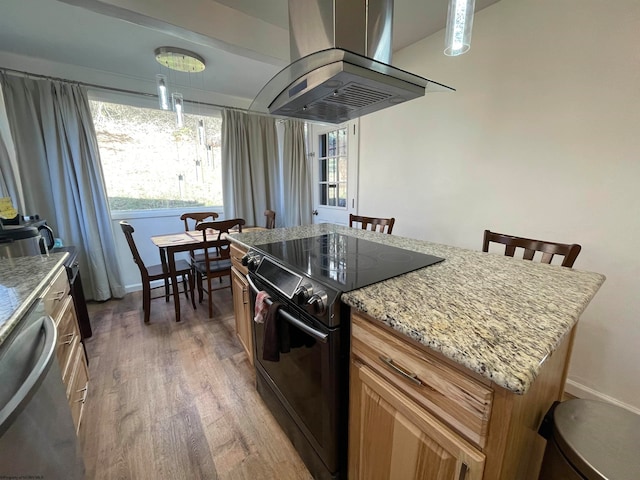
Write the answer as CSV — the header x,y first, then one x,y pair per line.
x,y
176,400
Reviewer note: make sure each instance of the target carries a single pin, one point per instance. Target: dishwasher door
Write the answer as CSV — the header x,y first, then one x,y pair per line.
x,y
37,435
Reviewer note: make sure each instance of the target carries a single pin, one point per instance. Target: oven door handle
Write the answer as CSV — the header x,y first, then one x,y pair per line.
x,y
320,336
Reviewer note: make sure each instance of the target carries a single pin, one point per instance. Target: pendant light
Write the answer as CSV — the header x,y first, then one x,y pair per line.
x,y
179,60
178,104
457,38
163,91
202,136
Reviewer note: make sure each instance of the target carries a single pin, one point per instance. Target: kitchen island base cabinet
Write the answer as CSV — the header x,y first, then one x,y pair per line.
x,y
393,438
410,417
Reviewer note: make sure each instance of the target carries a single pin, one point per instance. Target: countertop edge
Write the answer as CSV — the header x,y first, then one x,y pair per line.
x,y
7,327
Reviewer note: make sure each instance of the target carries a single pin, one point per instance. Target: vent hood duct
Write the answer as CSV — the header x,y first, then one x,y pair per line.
x,y
341,50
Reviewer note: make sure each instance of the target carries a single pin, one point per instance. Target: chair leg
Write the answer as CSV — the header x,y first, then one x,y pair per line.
x,y
184,285
146,301
200,288
210,297
191,289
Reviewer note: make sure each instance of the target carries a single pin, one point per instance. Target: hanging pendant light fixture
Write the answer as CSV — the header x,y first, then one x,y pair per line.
x,y
163,91
202,136
457,38
182,61
178,104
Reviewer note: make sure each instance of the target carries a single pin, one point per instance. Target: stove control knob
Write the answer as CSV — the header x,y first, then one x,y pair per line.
x,y
251,261
317,303
303,293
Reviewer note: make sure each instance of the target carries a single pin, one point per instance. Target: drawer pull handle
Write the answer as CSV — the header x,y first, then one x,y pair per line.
x,y
409,376
60,295
71,337
463,471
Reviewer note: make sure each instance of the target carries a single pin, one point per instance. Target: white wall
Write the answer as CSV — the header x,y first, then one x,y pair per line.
x,y
540,140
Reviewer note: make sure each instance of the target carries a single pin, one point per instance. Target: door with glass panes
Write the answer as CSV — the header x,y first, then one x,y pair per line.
x,y
333,153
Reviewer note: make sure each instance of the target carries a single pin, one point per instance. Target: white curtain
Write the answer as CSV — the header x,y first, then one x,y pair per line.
x,y
298,201
61,174
250,170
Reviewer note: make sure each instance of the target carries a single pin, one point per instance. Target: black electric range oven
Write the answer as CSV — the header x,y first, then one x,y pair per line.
x,y
307,388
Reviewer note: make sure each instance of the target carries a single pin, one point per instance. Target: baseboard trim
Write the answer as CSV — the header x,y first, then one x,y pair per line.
x,y
580,391
136,287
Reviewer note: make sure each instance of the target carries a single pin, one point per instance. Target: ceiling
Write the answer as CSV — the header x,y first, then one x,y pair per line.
x,y
244,42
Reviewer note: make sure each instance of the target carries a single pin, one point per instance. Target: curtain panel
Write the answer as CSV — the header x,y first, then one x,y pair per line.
x,y
250,171
298,201
61,174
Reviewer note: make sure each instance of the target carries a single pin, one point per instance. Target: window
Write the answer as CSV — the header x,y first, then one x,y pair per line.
x,y
149,163
333,168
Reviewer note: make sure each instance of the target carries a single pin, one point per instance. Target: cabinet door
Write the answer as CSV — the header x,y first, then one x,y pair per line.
x,y
79,384
391,437
242,311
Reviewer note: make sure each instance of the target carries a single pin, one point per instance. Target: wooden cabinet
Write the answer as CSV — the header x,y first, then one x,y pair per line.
x,y
415,414
241,300
69,352
394,438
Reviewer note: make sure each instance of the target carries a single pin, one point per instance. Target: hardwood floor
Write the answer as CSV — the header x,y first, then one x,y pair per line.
x,y
176,400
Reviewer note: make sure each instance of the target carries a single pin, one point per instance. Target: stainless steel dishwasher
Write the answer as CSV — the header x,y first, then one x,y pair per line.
x,y
37,435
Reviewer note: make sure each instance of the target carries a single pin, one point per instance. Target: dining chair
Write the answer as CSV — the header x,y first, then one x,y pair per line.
x,y
156,272
217,259
530,246
271,218
382,225
192,219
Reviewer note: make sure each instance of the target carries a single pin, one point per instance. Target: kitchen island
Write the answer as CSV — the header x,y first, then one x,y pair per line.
x,y
490,337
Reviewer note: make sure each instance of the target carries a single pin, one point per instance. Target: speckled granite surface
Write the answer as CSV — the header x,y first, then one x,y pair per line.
x,y
498,316
21,281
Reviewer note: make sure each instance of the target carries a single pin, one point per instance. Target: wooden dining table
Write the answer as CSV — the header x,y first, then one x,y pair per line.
x,y
188,241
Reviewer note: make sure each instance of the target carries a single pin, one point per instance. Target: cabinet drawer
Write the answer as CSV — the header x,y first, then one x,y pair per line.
x,y
68,336
78,386
459,400
56,293
236,258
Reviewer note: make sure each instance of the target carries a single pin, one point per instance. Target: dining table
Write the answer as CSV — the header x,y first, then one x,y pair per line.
x,y
188,241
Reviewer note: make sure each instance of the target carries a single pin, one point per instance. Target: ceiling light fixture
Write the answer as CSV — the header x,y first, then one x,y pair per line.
x,y
179,59
457,38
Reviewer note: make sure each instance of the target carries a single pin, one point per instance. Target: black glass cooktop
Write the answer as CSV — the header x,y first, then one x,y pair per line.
x,y
344,262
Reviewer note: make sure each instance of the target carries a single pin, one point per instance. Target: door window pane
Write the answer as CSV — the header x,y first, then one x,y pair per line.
x,y
332,165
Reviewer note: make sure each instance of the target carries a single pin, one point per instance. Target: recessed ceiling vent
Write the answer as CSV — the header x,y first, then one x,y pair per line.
x,y
341,51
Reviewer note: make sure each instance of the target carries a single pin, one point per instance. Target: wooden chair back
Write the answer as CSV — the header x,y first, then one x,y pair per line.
x,y
217,255
549,249
271,218
196,218
128,230
383,225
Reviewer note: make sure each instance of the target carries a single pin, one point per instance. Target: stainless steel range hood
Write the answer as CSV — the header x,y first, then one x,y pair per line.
x,y
341,51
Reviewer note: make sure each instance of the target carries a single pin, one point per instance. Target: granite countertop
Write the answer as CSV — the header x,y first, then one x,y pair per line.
x,y
498,316
22,279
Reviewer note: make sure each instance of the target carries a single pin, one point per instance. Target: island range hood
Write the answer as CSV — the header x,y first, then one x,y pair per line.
x,y
340,51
